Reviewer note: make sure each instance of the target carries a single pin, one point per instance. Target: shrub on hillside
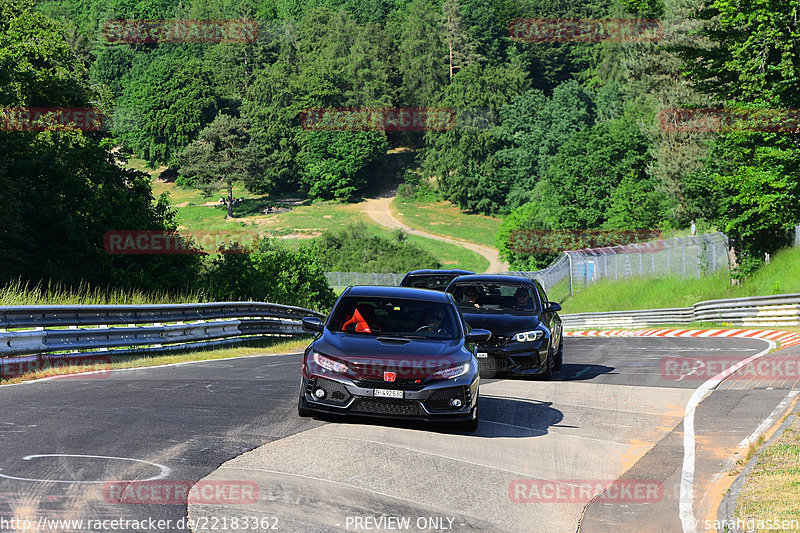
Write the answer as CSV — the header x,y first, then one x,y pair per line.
x,y
269,272
353,249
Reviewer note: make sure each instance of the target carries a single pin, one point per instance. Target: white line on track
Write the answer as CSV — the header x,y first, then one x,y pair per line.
x,y
685,505
753,438
164,470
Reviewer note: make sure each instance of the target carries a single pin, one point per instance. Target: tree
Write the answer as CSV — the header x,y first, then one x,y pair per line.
x,y
754,179
462,50
61,189
222,156
173,99
269,272
463,158
578,191
421,53
534,128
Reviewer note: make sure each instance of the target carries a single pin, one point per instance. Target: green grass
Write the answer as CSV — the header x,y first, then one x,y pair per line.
x,y
17,293
782,275
444,218
771,489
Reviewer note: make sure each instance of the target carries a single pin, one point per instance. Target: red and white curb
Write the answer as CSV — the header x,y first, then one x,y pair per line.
x,y
783,338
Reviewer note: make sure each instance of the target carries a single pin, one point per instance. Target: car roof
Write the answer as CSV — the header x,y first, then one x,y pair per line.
x,y
493,278
456,271
413,293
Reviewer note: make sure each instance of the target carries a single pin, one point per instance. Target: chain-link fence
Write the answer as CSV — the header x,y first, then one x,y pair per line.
x,y
574,270
339,280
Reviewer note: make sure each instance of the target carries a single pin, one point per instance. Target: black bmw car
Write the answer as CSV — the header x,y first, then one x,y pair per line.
x,y
526,329
392,352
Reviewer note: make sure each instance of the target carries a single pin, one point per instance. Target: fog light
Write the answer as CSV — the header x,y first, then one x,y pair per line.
x,y
455,402
319,393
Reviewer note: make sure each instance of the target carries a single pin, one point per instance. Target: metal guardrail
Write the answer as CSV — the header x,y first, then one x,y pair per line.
x,y
772,310
44,331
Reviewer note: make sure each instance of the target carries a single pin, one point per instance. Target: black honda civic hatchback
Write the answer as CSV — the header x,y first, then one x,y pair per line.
x,y
526,329
392,352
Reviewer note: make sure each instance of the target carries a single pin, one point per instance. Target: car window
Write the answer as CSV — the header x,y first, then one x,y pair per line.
x,y
496,297
387,316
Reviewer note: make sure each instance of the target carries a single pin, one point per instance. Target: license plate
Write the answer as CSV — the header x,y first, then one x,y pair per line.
x,y
482,355
388,393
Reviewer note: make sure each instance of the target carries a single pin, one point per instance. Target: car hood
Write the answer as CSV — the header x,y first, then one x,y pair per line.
x,y
500,324
368,357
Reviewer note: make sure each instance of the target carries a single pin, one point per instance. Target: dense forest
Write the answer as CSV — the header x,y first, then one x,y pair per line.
x,y
571,132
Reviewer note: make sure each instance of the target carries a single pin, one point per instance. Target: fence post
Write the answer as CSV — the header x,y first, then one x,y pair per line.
x,y
683,259
653,261
570,273
797,235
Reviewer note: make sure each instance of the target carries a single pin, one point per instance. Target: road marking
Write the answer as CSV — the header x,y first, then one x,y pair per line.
x,y
686,501
164,470
753,438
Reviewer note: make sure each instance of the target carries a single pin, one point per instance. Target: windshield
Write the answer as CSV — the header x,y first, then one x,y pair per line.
x,y
496,297
395,317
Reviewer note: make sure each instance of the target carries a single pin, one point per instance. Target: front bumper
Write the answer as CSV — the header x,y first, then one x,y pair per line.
x,y
512,358
431,402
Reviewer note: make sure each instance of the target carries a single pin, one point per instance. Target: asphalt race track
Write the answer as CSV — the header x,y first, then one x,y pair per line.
x,y
613,413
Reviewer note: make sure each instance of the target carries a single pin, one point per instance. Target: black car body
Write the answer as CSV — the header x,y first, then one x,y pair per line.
x,y
526,339
376,355
437,280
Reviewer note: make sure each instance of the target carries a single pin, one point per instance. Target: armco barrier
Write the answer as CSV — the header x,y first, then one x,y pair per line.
x,y
38,331
773,310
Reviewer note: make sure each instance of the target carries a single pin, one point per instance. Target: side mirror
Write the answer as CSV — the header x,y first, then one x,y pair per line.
x,y
479,335
312,323
552,308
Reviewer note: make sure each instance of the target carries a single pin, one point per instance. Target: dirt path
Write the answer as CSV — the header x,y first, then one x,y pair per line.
x,y
379,209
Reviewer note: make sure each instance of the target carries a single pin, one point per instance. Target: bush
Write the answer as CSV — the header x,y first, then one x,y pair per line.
x,y
270,272
353,249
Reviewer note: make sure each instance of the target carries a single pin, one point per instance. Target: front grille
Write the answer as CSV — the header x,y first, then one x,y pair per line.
x,y
404,384
387,406
526,362
335,392
492,364
440,398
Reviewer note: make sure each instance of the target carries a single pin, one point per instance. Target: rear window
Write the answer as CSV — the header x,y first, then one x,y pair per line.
x,y
437,282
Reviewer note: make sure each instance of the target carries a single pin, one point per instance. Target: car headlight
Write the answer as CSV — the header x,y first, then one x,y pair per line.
x,y
330,364
529,336
452,372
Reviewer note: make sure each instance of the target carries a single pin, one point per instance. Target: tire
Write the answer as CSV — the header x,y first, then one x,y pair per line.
x,y
547,375
559,356
301,410
470,425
